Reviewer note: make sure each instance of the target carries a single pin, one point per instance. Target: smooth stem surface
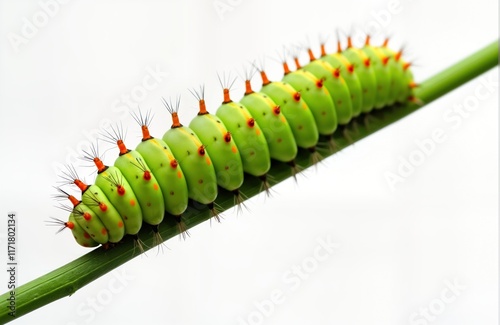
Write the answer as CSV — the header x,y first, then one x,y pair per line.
x,y
67,279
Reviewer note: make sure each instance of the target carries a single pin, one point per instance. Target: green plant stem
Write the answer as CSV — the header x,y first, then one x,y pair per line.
x,y
67,279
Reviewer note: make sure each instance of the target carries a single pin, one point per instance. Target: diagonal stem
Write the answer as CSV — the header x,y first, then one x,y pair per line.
x,y
67,279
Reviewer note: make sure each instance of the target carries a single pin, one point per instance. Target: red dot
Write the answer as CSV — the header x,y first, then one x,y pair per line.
x,y
251,122
87,216
103,207
121,190
201,150
173,163
227,137
147,175
296,96
276,110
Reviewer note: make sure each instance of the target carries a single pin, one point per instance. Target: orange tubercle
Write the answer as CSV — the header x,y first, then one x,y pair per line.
x,y
285,68
297,63
406,65
349,42
103,207
99,164
386,41
121,190
145,133
248,87
398,55
311,55
122,147
227,97
175,120
73,200
322,48
336,73
263,75
203,107
81,185
367,40
339,47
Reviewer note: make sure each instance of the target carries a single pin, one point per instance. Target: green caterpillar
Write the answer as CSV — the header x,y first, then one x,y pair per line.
x,y
217,151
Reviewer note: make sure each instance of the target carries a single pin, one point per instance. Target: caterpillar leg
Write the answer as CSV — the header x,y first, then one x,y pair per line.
x,y
315,155
214,211
181,227
138,244
239,199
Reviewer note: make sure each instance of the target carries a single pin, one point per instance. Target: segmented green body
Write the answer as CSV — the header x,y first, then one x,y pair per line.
x,y
274,122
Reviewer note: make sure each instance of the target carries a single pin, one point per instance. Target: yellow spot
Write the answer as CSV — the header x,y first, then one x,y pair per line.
x,y
208,161
155,186
283,119
120,224
132,202
257,131
179,174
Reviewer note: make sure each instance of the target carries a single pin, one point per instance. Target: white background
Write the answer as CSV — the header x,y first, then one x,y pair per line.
x,y
397,247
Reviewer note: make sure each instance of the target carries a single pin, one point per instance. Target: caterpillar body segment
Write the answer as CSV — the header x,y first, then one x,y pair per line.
x,y
378,62
247,135
85,218
295,109
144,184
365,73
194,160
119,192
317,98
336,86
268,115
96,200
79,234
220,145
350,77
